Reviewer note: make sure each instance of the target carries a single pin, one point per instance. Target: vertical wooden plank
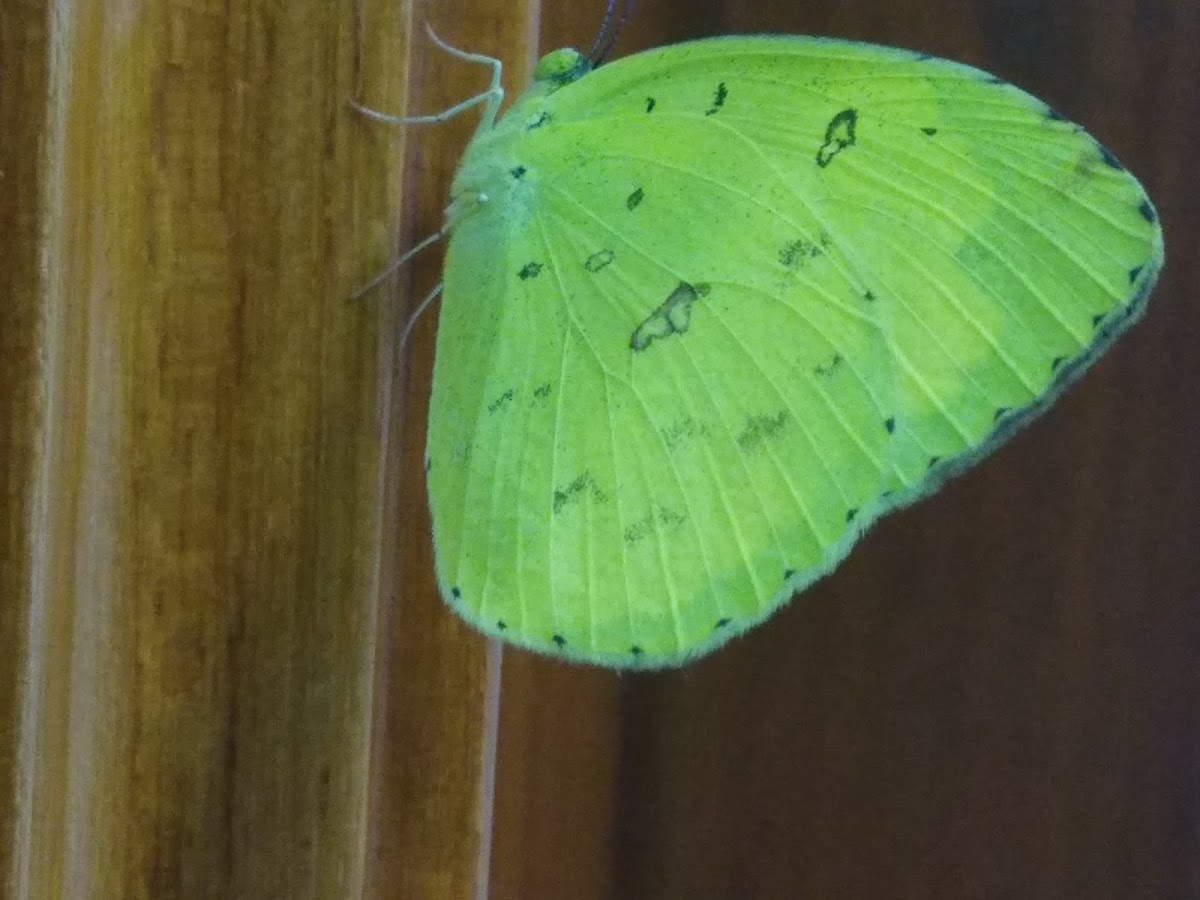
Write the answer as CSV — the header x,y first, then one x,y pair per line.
x,y
433,834
23,86
193,723
193,474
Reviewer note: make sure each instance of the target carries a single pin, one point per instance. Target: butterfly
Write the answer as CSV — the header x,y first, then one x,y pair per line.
x,y
710,310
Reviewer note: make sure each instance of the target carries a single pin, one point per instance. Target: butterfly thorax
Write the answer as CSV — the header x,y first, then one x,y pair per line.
x,y
493,171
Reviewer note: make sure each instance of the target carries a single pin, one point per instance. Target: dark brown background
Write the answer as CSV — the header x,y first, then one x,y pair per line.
x,y
224,671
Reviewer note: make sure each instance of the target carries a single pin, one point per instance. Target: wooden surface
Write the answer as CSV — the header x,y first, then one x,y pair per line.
x,y
211,686
225,673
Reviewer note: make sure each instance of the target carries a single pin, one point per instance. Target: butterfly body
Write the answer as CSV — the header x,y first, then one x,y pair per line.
x,y
712,309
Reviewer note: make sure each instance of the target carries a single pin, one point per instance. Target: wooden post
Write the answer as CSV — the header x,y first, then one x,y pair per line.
x,y
225,674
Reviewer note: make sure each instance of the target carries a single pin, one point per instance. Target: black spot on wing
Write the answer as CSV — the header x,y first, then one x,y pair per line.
x,y
682,432
795,254
559,641
1135,273
1147,212
599,260
721,623
890,424
1001,413
672,316
579,487
760,429
789,574
1056,362
542,391
839,135
634,200
537,120
455,594
502,625
660,517
530,270
565,495
851,514
500,402
636,650
929,131
718,99
650,104
933,461
827,370
518,173
869,296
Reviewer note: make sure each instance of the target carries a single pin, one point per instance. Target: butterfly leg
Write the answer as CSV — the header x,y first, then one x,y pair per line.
x,y
395,265
490,98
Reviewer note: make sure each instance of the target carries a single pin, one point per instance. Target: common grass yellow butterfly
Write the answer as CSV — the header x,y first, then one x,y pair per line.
x,y
711,310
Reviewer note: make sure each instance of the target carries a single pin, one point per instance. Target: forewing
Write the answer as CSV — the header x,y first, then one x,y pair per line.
x,y
751,294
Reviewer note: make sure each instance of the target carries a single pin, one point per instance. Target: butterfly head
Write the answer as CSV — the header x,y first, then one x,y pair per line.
x,y
559,67
494,170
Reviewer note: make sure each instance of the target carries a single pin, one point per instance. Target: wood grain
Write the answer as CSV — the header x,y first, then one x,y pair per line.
x,y
198,464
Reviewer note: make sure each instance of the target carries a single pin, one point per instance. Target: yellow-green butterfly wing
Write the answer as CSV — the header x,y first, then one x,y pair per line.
x,y
712,309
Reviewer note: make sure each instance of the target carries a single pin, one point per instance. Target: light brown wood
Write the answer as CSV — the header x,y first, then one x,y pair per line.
x,y
198,462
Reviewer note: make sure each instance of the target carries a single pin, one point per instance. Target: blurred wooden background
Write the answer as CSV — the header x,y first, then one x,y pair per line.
x,y
223,669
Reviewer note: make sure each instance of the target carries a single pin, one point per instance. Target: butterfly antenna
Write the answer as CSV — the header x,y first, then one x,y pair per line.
x,y
602,34
394,265
411,321
607,39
